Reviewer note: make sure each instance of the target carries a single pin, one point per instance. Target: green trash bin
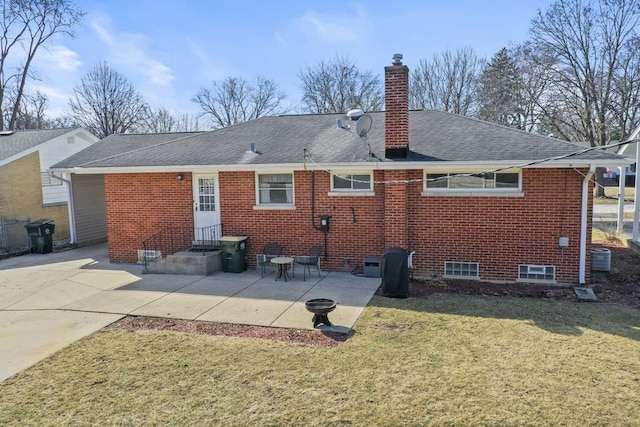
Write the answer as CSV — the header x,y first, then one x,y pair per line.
x,y
233,251
41,234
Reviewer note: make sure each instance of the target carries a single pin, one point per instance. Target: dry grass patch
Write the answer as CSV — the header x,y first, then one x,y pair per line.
x,y
611,196
605,234
448,359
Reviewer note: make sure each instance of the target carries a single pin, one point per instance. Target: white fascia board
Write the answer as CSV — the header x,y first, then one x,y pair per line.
x,y
355,166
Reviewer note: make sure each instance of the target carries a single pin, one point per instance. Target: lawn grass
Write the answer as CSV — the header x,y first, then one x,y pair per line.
x,y
445,360
611,196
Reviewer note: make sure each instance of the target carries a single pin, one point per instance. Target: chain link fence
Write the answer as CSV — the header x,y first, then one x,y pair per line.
x,y
13,237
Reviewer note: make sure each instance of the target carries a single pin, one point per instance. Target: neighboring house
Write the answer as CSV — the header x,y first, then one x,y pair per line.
x,y
28,189
628,150
273,178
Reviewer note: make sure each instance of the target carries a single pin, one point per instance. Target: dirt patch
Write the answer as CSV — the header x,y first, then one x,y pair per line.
x,y
619,286
296,336
622,284
424,288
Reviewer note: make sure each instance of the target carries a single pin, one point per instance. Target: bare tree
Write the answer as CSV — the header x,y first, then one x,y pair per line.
x,y
587,40
25,26
31,113
338,85
161,120
626,92
448,82
535,83
157,120
105,102
236,100
189,123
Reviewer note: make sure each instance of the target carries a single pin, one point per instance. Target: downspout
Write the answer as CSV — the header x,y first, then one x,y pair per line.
x,y
583,223
72,217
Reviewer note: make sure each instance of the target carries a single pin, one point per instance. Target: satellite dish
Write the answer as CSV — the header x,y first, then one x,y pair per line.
x,y
355,114
363,125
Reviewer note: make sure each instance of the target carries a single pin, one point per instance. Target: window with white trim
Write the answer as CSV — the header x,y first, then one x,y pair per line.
x,y
495,181
275,188
468,270
545,273
352,182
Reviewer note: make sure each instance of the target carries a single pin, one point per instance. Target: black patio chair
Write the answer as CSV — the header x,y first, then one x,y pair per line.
x,y
308,261
270,251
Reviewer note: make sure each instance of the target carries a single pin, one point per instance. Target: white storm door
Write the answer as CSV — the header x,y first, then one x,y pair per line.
x,y
206,202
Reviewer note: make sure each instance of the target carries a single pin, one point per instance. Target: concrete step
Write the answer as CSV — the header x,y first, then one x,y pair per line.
x,y
197,263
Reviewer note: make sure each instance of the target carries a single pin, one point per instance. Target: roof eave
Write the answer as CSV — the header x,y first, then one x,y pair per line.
x,y
384,165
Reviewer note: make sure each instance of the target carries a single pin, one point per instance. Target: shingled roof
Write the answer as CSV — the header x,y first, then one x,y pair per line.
x,y
434,136
22,140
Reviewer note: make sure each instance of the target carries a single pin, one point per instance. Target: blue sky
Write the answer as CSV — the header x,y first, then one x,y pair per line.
x,y
169,49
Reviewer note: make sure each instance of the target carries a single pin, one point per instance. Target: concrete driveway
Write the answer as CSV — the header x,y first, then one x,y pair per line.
x,y
49,301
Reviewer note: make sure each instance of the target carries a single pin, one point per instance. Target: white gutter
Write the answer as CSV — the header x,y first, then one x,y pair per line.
x,y
583,223
355,166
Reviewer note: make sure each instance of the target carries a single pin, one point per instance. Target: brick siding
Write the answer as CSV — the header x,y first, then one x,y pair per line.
x,y
294,230
141,205
396,131
502,232
497,232
21,195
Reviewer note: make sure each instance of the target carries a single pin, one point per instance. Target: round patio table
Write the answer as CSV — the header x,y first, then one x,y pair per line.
x,y
283,263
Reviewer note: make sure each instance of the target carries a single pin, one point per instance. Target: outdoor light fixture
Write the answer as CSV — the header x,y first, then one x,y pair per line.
x,y
180,177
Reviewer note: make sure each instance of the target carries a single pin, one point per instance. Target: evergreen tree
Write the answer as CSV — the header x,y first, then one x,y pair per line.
x,y
500,91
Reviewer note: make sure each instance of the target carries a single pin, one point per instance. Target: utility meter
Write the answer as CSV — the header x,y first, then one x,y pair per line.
x,y
324,223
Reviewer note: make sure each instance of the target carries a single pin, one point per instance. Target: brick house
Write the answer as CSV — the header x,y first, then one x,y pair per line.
x,y
472,199
27,188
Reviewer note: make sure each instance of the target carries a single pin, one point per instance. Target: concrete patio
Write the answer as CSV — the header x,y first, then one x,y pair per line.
x,y
48,301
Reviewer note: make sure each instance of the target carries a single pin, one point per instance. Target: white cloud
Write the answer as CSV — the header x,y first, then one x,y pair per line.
x,y
52,93
62,58
130,51
342,26
281,40
210,68
58,99
98,26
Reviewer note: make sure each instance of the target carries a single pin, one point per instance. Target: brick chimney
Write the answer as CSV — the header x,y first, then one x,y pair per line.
x,y
396,115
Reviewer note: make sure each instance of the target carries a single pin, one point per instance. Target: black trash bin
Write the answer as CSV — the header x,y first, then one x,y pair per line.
x,y
41,234
394,271
233,250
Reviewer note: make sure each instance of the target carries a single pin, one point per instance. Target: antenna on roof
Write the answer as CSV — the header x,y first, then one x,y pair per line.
x,y
363,125
362,130
355,113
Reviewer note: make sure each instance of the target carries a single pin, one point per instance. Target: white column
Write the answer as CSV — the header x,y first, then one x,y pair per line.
x,y
622,174
636,195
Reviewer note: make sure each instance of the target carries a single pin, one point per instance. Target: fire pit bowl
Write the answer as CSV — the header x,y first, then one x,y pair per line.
x,y
320,307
